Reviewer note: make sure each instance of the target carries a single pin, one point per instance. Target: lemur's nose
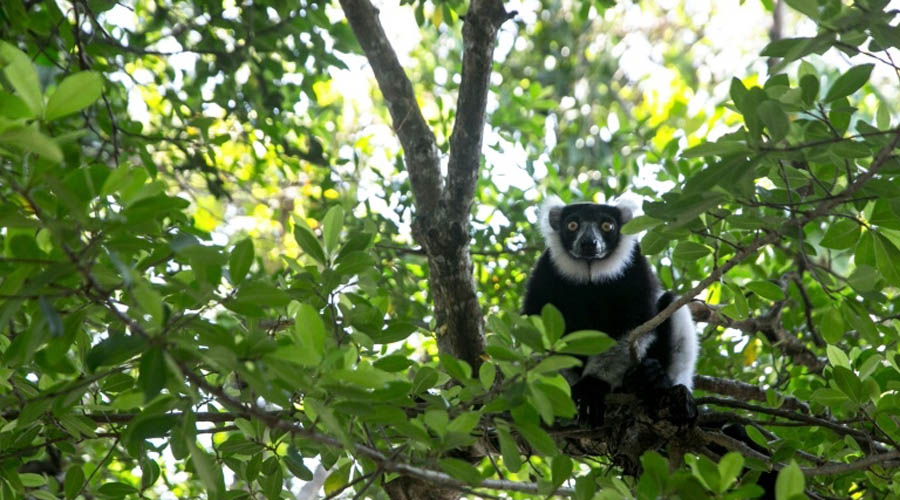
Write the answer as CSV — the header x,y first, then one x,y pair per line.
x,y
588,247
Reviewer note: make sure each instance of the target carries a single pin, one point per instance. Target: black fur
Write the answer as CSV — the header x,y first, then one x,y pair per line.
x,y
614,307
614,303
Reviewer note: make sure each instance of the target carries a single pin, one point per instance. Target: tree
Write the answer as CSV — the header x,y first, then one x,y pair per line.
x,y
224,284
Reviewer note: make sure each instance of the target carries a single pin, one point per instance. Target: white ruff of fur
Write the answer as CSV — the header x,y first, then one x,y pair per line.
x,y
684,348
579,270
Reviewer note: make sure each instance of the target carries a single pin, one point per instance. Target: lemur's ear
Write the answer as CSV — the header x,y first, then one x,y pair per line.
x,y
554,217
550,217
627,208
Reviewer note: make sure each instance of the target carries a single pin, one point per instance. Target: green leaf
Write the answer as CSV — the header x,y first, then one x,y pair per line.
x,y
653,242
149,300
775,119
331,228
766,290
883,116
689,251
538,439
586,342
337,480
21,75
75,92
729,468
309,334
461,470
262,294
153,370
829,397
464,423
554,324
809,89
29,139
309,243
837,357
528,335
641,223
721,148
487,373
790,482
706,471
116,490
887,256
242,256
808,7
31,480
841,235
556,363
393,363
73,482
13,107
456,368
849,82
738,92
113,350
864,278
560,470
503,353
510,451
205,467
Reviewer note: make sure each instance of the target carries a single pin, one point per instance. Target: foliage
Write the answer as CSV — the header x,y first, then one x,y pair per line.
x,y
225,285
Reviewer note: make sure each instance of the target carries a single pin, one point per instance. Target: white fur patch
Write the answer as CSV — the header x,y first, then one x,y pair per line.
x,y
684,348
579,270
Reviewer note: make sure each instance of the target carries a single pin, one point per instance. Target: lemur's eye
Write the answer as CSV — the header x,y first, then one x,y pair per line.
x,y
607,227
573,226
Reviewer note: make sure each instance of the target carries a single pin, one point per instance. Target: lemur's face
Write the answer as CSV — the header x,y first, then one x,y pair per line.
x,y
588,231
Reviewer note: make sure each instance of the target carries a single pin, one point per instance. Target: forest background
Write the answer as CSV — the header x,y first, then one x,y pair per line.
x,y
277,249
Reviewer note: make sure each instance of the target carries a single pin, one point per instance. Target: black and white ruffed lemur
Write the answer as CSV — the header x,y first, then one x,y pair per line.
x,y
599,280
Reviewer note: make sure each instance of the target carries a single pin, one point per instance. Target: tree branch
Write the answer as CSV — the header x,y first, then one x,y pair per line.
x,y
883,459
761,241
479,34
745,391
770,326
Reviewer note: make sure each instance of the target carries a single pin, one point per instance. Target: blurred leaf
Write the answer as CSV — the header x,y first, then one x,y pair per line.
x,y
888,258
766,290
21,75
729,468
554,324
556,363
690,251
73,481
337,480
242,256
509,450
775,119
586,343
75,92
461,470
309,243
808,7
538,439
841,235
849,82
153,371
790,482
331,228
32,141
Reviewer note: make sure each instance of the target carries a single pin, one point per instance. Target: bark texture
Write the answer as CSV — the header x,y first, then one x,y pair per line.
x,y
443,206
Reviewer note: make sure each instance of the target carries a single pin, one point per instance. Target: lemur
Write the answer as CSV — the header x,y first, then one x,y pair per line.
x,y
599,280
